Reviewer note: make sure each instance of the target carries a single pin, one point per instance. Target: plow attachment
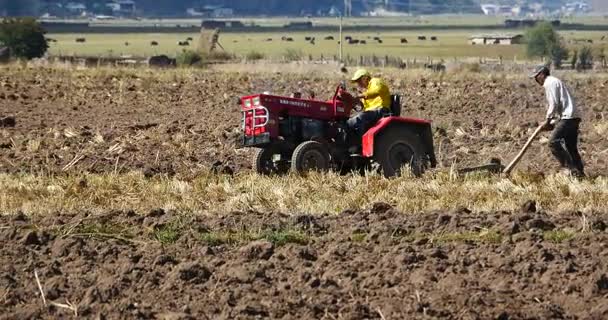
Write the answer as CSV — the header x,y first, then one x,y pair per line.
x,y
495,166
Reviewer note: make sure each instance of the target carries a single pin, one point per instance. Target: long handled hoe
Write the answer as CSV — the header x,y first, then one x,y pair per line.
x,y
523,151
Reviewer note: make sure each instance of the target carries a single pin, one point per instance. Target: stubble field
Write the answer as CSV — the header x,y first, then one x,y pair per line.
x,y
123,193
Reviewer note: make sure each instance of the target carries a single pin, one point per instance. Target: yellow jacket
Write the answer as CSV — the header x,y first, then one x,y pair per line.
x,y
376,96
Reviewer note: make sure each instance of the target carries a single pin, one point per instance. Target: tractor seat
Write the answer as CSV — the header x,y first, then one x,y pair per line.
x,y
395,106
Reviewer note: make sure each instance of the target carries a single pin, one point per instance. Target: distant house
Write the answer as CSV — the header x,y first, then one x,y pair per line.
x,y
211,12
122,7
494,10
496,39
75,8
220,24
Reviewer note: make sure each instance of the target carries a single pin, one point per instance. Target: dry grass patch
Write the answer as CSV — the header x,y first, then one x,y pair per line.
x,y
316,193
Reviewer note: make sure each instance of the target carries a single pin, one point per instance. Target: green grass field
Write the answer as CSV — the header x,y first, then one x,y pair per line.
x,y
450,44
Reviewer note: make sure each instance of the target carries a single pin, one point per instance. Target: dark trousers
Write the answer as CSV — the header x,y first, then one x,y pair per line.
x,y
564,145
363,121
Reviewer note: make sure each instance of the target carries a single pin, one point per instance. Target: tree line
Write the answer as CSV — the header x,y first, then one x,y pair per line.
x,y
249,7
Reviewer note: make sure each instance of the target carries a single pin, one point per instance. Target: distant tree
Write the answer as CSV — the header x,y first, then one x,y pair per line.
x,y
544,41
585,58
24,37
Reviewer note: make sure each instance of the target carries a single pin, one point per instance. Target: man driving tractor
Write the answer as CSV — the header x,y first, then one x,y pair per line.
x,y
375,100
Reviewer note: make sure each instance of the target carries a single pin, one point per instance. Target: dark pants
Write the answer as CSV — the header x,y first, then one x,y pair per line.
x,y
363,121
564,145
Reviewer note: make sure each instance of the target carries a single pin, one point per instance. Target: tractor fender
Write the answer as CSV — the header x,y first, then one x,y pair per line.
x,y
370,136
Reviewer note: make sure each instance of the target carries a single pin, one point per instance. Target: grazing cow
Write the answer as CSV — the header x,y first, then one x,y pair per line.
x,y
380,41
81,40
289,39
189,39
353,41
363,42
329,38
348,38
183,43
437,67
307,38
127,43
421,38
433,38
377,38
154,43
403,40
268,39
161,61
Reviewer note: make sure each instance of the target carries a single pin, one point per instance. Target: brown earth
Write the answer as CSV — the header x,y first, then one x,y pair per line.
x,y
181,122
372,264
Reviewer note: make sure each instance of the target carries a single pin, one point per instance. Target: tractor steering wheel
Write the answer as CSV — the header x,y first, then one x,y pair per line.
x,y
339,88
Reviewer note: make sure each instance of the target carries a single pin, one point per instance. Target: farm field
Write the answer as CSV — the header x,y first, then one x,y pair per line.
x,y
123,193
450,44
431,21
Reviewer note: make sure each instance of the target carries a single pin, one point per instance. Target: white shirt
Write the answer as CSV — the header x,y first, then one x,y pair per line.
x,y
560,101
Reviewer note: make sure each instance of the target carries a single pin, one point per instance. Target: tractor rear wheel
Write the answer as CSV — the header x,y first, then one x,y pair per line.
x,y
310,156
264,161
397,147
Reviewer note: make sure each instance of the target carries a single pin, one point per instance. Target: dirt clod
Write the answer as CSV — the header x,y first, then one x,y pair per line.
x,y
8,122
31,239
541,224
529,207
258,250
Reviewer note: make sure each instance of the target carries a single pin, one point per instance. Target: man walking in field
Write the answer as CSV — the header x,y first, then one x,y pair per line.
x,y
376,101
563,117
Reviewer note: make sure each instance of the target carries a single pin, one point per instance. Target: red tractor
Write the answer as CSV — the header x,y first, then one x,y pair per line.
x,y
308,134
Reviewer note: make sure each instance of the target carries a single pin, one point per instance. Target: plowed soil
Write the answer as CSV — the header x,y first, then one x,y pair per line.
x,y
183,122
375,264
359,265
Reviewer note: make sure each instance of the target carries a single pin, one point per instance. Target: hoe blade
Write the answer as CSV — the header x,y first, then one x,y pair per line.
x,y
495,166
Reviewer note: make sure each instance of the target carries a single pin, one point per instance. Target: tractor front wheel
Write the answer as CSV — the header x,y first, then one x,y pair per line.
x,y
396,148
265,161
310,156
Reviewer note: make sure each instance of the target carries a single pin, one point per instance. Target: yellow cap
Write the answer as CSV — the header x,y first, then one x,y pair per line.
x,y
359,74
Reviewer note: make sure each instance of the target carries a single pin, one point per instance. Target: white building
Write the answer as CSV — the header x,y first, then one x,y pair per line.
x,y
75,7
496,39
122,7
498,10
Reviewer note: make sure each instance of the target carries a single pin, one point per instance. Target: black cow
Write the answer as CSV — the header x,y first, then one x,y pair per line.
x,y
161,61
422,38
